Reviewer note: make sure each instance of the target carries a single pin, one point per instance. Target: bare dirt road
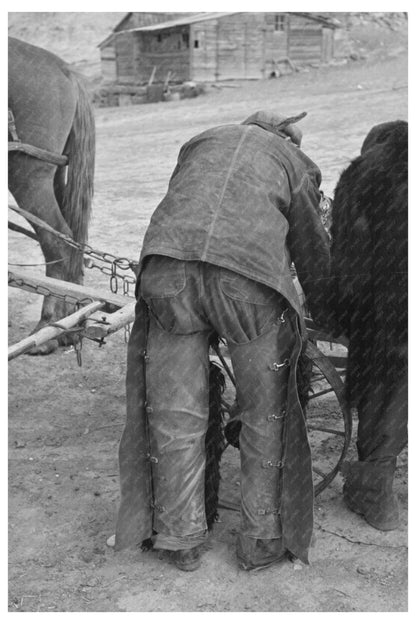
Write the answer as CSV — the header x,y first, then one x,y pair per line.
x,y
66,420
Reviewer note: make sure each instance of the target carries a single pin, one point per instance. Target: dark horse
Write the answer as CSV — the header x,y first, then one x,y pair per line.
x,y
369,297
52,111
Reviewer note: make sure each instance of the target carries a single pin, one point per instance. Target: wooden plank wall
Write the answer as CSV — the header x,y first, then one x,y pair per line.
x,y
169,54
203,58
236,47
275,46
305,40
108,63
125,54
135,20
256,44
231,53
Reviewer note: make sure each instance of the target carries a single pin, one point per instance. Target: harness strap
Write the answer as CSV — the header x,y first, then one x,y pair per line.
x,y
16,145
12,126
51,157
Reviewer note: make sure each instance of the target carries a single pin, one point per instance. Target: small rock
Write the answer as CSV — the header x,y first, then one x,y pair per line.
x,y
364,570
86,556
298,566
111,541
98,550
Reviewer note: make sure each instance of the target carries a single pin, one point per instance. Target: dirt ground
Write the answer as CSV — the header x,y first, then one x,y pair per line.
x,y
65,421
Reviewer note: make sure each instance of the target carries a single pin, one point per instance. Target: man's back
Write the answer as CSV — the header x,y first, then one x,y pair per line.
x,y
229,200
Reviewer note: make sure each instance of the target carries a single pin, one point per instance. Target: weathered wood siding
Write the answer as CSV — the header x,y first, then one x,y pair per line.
x,y
245,45
305,40
108,63
108,51
167,50
235,46
125,55
203,50
328,45
239,46
275,42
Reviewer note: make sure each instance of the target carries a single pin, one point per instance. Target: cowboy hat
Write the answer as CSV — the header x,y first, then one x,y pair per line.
x,y
278,124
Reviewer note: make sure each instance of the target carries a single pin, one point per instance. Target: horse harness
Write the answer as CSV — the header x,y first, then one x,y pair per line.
x,y
16,145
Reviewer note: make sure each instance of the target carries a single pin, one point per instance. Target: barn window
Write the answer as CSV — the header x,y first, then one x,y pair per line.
x,y
159,38
199,39
279,22
185,39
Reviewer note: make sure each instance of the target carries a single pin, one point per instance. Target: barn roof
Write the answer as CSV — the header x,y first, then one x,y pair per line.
x,y
201,17
331,22
183,21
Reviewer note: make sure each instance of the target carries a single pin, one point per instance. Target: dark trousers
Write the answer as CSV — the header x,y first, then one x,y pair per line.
x,y
188,301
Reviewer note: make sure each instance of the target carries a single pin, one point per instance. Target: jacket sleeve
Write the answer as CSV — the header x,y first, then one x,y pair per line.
x,y
181,157
309,248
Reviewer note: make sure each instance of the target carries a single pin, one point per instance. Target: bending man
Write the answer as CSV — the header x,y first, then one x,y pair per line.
x,y
242,204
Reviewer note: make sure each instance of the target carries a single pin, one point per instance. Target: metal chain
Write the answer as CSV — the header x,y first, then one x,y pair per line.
x,y
46,292
78,348
127,331
128,282
117,263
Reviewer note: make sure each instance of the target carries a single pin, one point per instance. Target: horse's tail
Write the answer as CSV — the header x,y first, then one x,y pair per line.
x,y
79,188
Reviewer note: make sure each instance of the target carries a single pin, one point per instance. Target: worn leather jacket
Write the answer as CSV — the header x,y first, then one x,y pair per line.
x,y
245,198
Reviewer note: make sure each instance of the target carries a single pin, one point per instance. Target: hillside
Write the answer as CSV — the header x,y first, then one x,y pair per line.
x,y
76,36
73,36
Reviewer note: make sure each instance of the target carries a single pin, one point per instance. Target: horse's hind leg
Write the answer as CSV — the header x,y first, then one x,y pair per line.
x,y
34,191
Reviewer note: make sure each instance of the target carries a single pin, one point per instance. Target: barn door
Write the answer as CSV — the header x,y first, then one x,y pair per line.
x,y
240,46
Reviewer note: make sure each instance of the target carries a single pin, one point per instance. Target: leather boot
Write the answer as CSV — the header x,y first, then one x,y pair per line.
x,y
368,491
258,554
187,560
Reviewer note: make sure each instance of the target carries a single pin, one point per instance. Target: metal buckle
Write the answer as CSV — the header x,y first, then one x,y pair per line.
x,y
274,417
265,512
281,320
268,463
275,366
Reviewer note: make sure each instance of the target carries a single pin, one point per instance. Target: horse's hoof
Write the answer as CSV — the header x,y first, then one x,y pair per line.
x,y
44,349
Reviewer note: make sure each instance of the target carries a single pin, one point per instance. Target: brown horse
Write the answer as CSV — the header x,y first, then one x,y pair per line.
x,y
52,111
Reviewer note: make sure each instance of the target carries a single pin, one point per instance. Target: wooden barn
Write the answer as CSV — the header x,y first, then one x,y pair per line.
x,y
112,46
214,46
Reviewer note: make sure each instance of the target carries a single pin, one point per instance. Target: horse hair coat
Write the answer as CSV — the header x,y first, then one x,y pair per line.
x,y
368,287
